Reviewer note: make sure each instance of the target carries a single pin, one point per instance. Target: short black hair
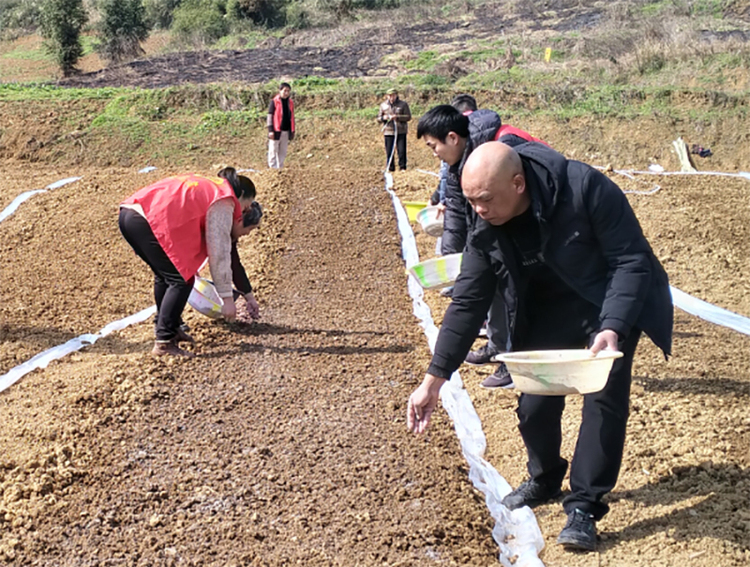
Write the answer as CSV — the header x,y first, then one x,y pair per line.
x,y
464,103
287,85
441,120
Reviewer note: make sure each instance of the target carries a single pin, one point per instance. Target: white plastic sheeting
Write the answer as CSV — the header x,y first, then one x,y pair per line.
x,y
10,209
43,359
631,172
709,312
517,533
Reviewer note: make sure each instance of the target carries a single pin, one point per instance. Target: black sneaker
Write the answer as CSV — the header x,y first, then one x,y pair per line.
x,y
483,355
500,379
531,493
579,533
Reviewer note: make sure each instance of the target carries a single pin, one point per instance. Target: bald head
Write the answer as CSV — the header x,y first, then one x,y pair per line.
x,y
494,184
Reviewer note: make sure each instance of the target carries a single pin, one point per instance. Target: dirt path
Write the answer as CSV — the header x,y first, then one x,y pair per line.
x,y
282,443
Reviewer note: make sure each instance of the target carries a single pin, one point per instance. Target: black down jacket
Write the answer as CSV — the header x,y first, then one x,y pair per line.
x,y
590,238
483,125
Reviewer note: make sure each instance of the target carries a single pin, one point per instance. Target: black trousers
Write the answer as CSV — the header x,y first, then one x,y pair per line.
x,y
400,149
171,291
601,437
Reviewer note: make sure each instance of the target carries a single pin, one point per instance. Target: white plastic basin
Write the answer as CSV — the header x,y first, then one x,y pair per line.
x,y
437,272
559,372
205,299
428,219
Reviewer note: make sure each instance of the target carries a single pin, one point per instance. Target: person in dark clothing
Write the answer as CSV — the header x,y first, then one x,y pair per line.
x,y
251,220
394,115
560,241
452,135
465,104
281,127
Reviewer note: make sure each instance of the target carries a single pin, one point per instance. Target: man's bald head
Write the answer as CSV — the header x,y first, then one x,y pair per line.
x,y
494,184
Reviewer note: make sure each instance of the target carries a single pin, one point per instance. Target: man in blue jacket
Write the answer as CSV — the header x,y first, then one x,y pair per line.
x,y
562,243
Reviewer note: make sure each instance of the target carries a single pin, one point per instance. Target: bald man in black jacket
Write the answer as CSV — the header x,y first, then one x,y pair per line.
x,y
560,241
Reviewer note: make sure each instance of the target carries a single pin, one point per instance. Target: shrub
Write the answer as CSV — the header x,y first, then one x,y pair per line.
x,y
199,22
159,12
270,13
308,13
376,4
62,21
20,14
122,28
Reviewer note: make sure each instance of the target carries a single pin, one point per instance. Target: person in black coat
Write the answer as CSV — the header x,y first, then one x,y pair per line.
x,y
452,134
561,242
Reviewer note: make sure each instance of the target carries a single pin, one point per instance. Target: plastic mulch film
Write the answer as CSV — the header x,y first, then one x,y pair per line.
x,y
709,312
516,533
43,359
10,209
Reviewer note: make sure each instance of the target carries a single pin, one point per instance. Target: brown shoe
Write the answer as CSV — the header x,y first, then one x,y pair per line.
x,y
170,348
183,337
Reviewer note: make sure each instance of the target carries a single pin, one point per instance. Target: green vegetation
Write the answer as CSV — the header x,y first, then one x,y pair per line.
x,y
611,70
199,22
26,54
62,21
122,29
232,123
425,61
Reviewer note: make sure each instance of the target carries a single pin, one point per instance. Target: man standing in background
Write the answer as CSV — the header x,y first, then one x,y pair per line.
x,y
394,113
280,123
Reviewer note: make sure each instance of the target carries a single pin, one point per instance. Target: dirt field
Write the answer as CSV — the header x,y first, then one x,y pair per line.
x,y
283,442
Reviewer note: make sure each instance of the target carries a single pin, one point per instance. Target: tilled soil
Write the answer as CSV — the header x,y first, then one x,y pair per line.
x,y
284,441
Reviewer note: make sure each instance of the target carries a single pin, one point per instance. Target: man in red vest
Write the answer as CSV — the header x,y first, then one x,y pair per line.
x,y
280,122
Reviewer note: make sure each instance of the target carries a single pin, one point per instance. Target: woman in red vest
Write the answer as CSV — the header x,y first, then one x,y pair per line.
x,y
174,225
280,122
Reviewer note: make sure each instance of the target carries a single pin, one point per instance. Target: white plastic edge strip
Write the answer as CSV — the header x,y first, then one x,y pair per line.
x,y
10,209
522,549
710,312
43,359
429,172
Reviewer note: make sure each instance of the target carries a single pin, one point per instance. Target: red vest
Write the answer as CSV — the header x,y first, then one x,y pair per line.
x,y
175,209
278,113
506,129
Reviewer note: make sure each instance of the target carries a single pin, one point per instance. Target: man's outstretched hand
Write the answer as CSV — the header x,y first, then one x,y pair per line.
x,y
422,403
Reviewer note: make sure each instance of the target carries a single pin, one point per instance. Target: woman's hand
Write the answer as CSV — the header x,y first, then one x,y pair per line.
x,y
253,309
270,135
229,309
